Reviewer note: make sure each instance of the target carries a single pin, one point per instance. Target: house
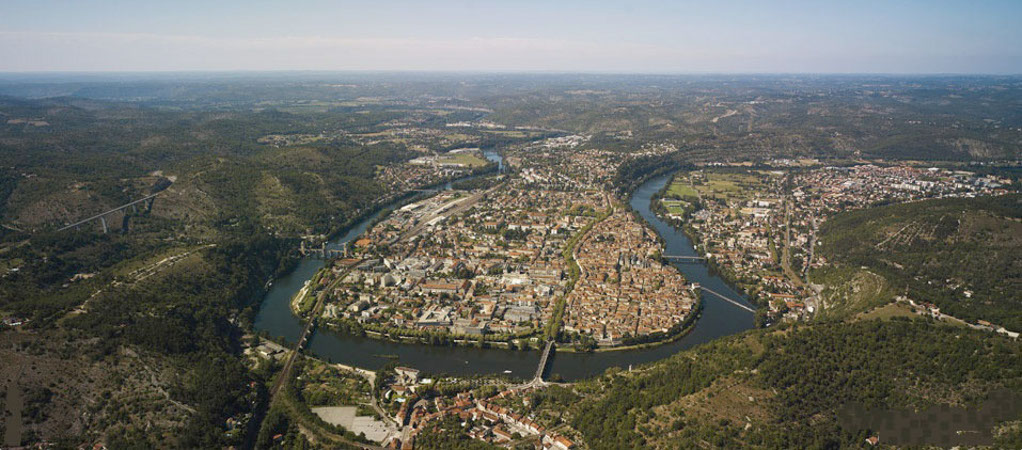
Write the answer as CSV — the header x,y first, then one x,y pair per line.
x,y
873,440
516,314
557,442
563,443
502,433
1006,332
436,317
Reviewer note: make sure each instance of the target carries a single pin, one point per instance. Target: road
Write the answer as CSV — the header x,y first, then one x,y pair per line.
x,y
370,376
581,240
285,373
812,249
329,435
786,252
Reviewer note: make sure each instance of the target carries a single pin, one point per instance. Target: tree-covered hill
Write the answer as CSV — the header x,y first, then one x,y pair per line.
x,y
789,387
959,254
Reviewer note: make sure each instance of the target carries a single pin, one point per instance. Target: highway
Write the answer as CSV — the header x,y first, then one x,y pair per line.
x,y
100,215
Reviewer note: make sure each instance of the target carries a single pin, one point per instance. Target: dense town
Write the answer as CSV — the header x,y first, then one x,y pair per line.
x,y
624,290
759,226
502,263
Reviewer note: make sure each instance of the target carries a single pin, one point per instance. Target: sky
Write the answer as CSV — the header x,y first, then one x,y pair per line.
x,y
638,36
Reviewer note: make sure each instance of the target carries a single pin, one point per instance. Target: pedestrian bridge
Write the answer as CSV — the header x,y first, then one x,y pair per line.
x,y
727,299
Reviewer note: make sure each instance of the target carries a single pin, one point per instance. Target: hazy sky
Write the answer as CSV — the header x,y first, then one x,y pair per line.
x,y
888,36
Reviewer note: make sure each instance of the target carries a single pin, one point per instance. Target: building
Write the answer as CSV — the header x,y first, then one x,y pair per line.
x,y
407,375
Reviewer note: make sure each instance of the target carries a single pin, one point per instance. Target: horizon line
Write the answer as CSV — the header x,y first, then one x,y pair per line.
x,y
488,72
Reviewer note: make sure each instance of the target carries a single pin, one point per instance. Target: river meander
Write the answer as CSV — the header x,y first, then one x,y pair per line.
x,y
719,318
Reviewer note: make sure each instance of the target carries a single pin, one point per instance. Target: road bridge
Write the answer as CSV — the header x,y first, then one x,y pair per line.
x,y
146,201
728,299
684,258
537,381
542,362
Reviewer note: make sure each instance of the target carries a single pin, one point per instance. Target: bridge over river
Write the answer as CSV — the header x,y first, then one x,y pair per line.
x,y
727,299
683,258
542,362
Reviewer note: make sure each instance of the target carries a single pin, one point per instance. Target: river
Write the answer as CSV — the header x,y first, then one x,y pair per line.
x,y
719,318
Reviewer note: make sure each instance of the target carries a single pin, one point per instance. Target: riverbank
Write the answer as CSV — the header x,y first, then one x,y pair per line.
x,y
685,327
384,204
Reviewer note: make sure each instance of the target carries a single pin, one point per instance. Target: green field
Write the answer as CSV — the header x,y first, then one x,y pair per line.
x,y
681,189
468,159
716,185
676,206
